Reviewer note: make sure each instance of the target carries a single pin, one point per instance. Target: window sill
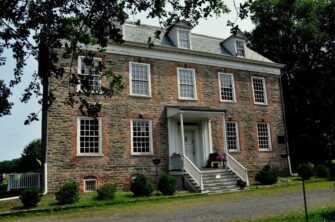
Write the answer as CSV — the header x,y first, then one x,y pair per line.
x,y
141,96
228,101
187,99
265,151
142,154
234,151
261,104
89,155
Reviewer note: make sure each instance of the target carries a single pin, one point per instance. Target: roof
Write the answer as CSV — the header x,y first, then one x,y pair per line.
x,y
200,43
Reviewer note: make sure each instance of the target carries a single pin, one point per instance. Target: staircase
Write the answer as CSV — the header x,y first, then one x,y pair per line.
x,y
214,181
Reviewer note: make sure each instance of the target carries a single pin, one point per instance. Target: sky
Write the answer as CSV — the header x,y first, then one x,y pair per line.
x,y
14,135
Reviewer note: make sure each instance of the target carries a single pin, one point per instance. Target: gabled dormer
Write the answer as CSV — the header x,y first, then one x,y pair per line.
x,y
180,34
236,44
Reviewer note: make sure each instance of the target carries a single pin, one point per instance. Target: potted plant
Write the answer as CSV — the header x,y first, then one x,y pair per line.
x,y
242,184
176,161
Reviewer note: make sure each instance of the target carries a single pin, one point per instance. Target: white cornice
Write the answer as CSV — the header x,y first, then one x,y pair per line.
x,y
190,56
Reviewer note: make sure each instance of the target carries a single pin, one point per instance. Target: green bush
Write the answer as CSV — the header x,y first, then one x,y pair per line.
x,y
242,184
3,187
30,197
106,192
267,175
141,186
167,184
68,193
332,170
305,171
322,171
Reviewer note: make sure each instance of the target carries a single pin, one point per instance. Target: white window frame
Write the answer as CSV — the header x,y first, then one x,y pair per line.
x,y
237,138
78,137
189,38
79,72
264,91
269,137
150,135
244,47
233,87
88,180
131,80
194,84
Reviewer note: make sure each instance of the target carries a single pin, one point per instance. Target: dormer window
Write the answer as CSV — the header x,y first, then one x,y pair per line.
x,y
240,49
183,39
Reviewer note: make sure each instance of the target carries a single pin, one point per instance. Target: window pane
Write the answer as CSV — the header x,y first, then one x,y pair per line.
x,y
259,91
89,75
184,40
89,140
140,79
263,136
186,84
227,89
232,137
240,51
141,136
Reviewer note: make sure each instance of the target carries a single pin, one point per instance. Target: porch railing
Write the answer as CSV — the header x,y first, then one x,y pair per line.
x,y
194,172
23,180
237,168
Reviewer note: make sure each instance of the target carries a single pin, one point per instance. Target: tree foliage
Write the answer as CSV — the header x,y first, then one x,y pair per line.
x,y
31,156
301,34
40,28
5,105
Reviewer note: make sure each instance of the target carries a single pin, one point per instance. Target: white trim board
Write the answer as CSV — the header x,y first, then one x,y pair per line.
x,y
178,57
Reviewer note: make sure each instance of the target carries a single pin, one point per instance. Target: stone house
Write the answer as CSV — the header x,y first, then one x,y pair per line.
x,y
184,98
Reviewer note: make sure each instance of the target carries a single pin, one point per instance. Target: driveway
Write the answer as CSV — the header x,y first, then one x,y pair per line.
x,y
222,209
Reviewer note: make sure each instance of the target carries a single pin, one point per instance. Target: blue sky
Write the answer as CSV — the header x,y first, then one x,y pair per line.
x,y
14,135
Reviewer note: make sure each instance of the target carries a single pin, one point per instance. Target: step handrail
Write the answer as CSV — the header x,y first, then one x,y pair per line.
x,y
237,168
193,171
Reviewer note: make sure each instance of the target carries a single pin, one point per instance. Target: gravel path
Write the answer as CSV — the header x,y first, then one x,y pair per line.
x,y
222,210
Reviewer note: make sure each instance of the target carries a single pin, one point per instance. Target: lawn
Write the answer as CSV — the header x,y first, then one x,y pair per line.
x,y
124,201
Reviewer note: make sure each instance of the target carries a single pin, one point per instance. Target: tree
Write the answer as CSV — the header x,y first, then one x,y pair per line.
x,y
31,156
301,34
5,105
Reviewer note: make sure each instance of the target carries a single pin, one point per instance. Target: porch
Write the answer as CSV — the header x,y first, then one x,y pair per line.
x,y
190,140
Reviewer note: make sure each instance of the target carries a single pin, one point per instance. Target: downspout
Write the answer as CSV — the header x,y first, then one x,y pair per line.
x,y
285,125
43,72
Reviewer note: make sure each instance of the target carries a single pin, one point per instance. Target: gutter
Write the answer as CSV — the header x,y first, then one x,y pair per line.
x,y
285,125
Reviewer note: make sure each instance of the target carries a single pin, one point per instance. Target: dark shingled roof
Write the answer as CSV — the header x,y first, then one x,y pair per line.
x,y
200,43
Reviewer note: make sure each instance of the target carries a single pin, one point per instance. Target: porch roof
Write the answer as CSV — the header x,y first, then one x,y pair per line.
x,y
193,111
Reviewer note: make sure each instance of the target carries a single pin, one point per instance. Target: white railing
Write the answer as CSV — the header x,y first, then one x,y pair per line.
x,y
194,172
237,168
23,180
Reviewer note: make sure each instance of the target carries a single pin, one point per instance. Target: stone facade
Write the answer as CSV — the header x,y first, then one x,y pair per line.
x,y
117,165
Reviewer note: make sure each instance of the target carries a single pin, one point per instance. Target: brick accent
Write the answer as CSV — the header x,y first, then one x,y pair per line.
x,y
117,165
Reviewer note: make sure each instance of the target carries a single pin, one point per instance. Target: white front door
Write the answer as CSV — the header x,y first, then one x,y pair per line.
x,y
189,144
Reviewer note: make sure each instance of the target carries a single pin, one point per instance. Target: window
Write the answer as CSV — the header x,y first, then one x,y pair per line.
x,y
227,89
264,139
141,131
89,73
232,136
89,136
183,39
258,86
186,81
140,84
90,185
240,49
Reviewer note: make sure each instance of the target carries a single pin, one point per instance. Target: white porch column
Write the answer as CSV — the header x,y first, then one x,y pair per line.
x,y
224,132
182,133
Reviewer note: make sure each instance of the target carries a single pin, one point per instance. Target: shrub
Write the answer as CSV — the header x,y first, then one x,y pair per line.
x,y
241,183
141,186
267,175
167,184
106,192
322,171
30,197
68,193
305,171
332,170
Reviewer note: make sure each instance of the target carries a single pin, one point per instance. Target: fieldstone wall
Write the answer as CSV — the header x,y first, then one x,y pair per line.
x,y
117,165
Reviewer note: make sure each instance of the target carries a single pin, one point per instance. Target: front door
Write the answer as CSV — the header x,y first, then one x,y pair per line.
x,y
189,144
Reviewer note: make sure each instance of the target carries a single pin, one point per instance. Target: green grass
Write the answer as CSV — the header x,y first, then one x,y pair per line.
x,y
124,201
316,215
